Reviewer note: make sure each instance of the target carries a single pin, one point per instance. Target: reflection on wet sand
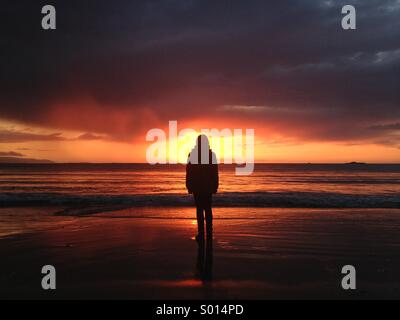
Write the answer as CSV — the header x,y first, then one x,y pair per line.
x,y
148,253
204,259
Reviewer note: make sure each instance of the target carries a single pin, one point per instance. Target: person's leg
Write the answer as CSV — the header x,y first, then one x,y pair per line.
x,y
209,243
199,215
208,216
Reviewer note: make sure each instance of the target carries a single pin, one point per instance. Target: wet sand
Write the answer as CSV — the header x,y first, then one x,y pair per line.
x,y
150,253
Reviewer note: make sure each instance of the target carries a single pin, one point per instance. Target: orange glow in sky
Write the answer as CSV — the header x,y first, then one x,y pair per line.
x,y
267,148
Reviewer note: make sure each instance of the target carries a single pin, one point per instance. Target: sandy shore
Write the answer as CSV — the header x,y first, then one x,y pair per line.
x,y
258,253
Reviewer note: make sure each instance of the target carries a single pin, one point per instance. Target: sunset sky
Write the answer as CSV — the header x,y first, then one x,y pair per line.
x,y
90,90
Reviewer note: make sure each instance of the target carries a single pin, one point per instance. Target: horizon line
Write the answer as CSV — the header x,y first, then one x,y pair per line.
x,y
255,163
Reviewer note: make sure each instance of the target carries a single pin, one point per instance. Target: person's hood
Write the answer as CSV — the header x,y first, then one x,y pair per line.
x,y
194,156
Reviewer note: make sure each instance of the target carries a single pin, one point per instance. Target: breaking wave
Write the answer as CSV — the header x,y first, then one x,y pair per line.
x,y
234,199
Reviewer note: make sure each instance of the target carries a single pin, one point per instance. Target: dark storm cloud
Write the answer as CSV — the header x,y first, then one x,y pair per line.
x,y
388,127
14,136
89,136
10,154
188,58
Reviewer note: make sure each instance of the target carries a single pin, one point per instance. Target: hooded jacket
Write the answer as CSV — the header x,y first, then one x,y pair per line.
x,y
202,176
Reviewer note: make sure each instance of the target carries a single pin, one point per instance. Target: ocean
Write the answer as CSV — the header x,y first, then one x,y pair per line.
x,y
143,185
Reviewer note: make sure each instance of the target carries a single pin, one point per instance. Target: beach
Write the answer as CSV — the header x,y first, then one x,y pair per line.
x,y
140,253
115,231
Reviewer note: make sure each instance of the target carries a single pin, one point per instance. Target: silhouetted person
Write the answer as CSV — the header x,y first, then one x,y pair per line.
x,y
202,181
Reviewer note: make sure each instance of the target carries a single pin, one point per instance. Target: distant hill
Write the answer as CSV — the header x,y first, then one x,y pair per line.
x,y
23,160
354,162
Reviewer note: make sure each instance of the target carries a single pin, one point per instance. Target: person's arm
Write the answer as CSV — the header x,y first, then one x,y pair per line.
x,y
189,177
215,175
